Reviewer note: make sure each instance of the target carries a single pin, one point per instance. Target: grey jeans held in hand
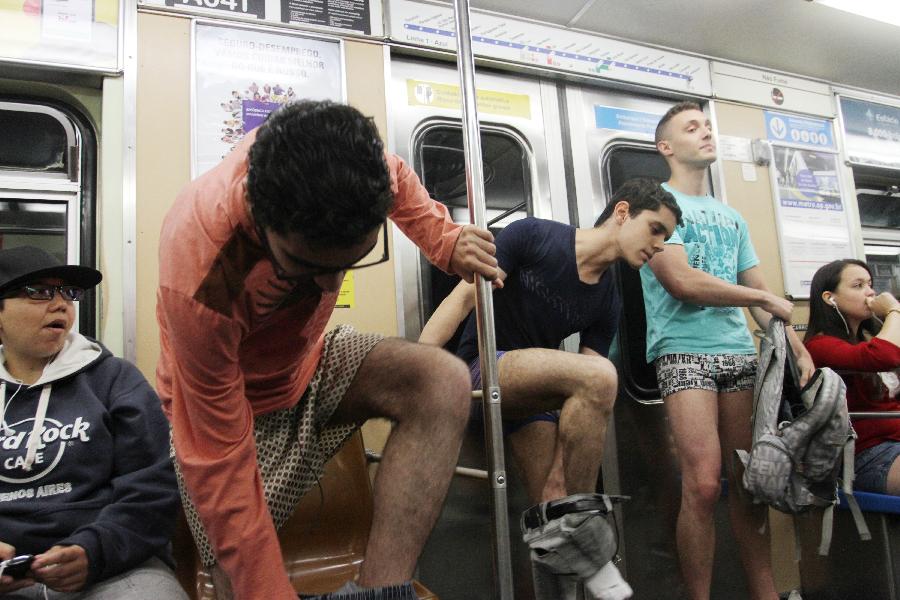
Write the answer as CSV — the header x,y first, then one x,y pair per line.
x,y
567,550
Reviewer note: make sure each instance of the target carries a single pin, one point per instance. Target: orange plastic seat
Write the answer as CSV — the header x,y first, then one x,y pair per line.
x,y
323,542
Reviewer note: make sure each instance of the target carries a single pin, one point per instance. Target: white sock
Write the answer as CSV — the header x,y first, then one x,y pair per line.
x,y
607,584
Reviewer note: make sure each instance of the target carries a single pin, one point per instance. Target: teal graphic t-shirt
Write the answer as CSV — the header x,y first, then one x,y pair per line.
x,y
716,240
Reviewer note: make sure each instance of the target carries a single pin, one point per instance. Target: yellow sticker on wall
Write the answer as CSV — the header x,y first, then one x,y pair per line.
x,y
346,296
442,95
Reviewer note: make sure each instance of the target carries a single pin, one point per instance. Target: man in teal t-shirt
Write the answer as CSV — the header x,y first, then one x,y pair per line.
x,y
703,352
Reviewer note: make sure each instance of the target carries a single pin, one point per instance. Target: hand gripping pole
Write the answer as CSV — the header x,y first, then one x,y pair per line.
x,y
487,346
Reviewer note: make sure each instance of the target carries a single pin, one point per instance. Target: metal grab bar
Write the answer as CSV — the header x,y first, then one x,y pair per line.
x,y
484,308
375,457
875,415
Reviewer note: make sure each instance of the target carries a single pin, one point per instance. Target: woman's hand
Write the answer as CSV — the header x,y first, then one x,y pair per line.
x,y
7,583
882,304
62,568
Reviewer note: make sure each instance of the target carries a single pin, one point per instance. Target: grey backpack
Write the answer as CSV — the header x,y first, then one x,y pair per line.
x,y
801,438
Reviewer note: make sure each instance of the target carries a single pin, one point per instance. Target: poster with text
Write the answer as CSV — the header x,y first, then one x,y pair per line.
x,y
341,14
243,74
83,33
811,216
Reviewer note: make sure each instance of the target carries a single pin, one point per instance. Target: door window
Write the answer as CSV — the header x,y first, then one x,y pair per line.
x,y
439,160
621,163
45,199
878,200
35,223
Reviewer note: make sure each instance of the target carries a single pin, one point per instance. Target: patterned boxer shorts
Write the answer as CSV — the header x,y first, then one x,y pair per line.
x,y
714,372
293,444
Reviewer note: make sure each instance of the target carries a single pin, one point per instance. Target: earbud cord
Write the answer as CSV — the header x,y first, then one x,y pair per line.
x,y
843,320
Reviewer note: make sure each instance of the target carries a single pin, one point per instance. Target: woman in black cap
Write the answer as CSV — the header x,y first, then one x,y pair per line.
x,y
86,484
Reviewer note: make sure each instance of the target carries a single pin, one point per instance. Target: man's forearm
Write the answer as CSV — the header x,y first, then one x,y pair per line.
x,y
701,288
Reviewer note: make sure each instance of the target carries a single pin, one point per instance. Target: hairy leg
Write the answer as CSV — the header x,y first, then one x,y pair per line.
x,y
735,410
534,450
582,386
693,417
426,392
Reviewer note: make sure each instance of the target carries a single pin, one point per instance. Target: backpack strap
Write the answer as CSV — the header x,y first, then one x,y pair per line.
x,y
827,529
791,359
849,476
861,527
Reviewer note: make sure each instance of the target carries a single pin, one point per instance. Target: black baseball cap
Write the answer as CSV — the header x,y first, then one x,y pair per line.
x,y
27,264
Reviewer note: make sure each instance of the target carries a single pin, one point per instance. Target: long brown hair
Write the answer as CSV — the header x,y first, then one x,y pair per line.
x,y
824,318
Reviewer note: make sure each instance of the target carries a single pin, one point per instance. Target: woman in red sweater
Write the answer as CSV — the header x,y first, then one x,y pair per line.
x,y
857,333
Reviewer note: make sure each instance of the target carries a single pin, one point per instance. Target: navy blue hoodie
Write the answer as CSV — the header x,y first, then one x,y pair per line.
x,y
84,461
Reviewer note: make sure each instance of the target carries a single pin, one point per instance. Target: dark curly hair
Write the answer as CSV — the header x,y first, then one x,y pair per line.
x,y
318,169
641,193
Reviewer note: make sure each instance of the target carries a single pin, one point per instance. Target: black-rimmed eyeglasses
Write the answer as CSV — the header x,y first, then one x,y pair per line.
x,y
314,269
41,291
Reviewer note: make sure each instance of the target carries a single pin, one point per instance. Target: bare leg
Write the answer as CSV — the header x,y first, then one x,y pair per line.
x,y
693,417
221,583
426,391
735,410
534,450
893,480
584,387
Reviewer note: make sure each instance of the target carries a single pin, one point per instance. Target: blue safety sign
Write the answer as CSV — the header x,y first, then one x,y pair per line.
x,y
622,119
799,131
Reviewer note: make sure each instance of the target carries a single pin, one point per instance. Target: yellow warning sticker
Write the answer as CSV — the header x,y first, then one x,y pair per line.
x,y
442,95
346,296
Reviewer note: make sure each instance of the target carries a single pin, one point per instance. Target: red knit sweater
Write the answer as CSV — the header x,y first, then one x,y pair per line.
x,y
865,391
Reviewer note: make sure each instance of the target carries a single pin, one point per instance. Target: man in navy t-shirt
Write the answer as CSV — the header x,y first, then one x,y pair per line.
x,y
556,282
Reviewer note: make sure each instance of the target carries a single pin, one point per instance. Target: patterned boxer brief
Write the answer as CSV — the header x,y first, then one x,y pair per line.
x,y
293,444
714,372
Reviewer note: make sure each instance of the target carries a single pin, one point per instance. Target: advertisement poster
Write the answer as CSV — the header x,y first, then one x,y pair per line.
x,y
83,33
811,216
243,74
785,128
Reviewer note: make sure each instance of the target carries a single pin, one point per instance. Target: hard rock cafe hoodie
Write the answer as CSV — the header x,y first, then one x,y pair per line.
x,y
84,461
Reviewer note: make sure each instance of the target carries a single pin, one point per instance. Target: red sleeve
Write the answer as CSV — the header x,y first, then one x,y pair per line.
x,y
212,428
872,356
425,221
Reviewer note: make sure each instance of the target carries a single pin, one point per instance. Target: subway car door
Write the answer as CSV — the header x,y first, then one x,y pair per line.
x,y
524,176
612,142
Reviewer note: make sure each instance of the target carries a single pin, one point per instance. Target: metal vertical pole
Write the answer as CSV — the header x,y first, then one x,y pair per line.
x,y
487,347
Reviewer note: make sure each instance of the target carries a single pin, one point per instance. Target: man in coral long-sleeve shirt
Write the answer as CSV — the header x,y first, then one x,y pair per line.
x,y
252,255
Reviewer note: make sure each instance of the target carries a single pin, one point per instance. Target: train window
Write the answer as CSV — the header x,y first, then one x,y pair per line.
x,y
878,200
47,184
440,162
33,141
507,177
627,162
39,224
620,163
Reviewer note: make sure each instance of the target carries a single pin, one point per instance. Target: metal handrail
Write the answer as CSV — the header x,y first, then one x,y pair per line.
x,y
375,457
484,307
884,414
